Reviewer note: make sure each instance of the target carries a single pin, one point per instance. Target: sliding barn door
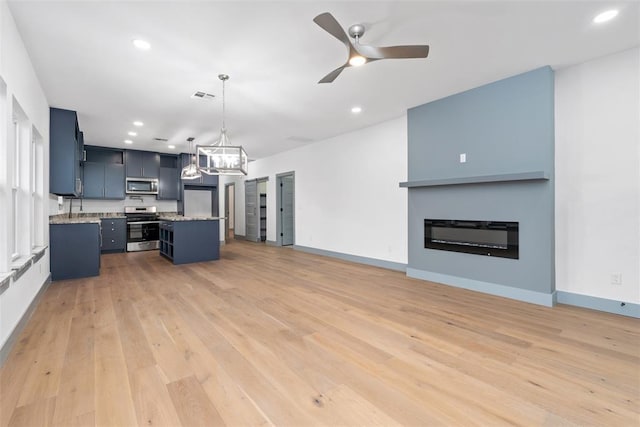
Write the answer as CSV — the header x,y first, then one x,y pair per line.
x,y
251,211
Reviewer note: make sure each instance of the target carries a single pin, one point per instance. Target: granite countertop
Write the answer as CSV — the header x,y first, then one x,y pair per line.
x,y
64,219
176,217
83,218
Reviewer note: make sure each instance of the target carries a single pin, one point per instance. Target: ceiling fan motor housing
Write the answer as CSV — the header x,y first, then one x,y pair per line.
x,y
356,31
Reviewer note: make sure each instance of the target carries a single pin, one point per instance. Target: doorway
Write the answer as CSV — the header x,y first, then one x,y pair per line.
x,y
255,194
229,211
285,208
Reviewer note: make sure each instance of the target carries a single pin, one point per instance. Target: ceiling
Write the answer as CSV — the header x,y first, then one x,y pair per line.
x,y
274,53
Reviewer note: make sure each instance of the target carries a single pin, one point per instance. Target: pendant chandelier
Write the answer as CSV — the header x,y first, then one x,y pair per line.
x,y
223,158
191,171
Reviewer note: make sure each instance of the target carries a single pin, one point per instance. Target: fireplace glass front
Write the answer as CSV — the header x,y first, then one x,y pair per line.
x,y
490,238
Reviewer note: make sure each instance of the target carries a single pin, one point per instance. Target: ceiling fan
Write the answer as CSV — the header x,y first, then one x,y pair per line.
x,y
360,54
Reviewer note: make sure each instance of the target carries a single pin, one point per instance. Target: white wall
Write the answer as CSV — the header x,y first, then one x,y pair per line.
x,y
347,197
22,84
597,168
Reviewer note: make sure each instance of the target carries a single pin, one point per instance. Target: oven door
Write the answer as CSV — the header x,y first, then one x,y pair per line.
x,y
143,235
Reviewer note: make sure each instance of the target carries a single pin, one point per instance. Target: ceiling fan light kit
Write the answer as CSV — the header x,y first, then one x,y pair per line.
x,y
223,158
357,60
360,54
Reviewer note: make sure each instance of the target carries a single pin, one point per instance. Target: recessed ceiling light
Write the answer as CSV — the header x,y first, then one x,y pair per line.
x,y
356,61
171,147
128,141
138,123
141,44
132,133
356,110
605,16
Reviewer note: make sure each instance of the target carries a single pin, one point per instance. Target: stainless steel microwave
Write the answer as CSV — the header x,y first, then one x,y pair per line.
x,y
142,186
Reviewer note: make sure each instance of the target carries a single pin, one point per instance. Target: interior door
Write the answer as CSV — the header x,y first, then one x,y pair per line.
x,y
229,211
286,211
251,210
227,236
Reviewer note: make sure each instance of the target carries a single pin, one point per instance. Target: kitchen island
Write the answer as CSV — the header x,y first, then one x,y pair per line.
x,y
185,240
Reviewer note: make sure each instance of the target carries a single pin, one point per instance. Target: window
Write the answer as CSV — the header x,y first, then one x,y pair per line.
x,y
22,210
32,191
37,189
6,208
15,191
20,146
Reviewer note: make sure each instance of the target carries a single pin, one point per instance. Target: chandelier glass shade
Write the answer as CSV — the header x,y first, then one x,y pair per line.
x,y
191,171
222,158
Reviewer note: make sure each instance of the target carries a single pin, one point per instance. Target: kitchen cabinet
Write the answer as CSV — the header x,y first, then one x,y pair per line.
x,y
81,153
65,153
114,181
104,174
75,250
81,159
103,181
169,181
93,180
142,164
184,242
207,180
114,234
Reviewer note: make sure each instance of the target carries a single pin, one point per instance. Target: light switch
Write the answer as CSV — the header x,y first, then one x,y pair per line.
x,y
463,157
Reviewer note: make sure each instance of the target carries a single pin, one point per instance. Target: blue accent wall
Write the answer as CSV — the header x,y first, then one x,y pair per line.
x,y
504,127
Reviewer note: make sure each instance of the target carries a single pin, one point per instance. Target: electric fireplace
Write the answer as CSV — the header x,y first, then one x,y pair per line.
x,y
489,238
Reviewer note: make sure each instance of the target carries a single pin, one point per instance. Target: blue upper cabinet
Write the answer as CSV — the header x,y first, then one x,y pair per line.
x,y
103,174
169,182
142,164
65,154
103,181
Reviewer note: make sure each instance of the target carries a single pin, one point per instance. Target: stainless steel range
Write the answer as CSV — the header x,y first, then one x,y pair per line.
x,y
143,228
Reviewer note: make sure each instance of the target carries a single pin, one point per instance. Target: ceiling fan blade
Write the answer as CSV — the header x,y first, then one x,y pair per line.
x,y
393,52
332,75
327,22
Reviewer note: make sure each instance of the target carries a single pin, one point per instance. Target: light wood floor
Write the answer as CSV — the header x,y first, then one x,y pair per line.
x,y
275,336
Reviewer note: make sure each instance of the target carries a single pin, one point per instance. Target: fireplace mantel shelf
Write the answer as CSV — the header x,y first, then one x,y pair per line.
x,y
504,177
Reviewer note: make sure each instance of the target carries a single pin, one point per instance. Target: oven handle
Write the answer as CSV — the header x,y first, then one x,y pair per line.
x,y
144,222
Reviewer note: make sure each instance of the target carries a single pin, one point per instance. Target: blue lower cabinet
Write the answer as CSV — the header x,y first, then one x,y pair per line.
x,y
114,235
184,242
75,250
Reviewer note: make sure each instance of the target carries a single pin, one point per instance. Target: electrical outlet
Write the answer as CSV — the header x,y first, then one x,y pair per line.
x,y
616,278
463,157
